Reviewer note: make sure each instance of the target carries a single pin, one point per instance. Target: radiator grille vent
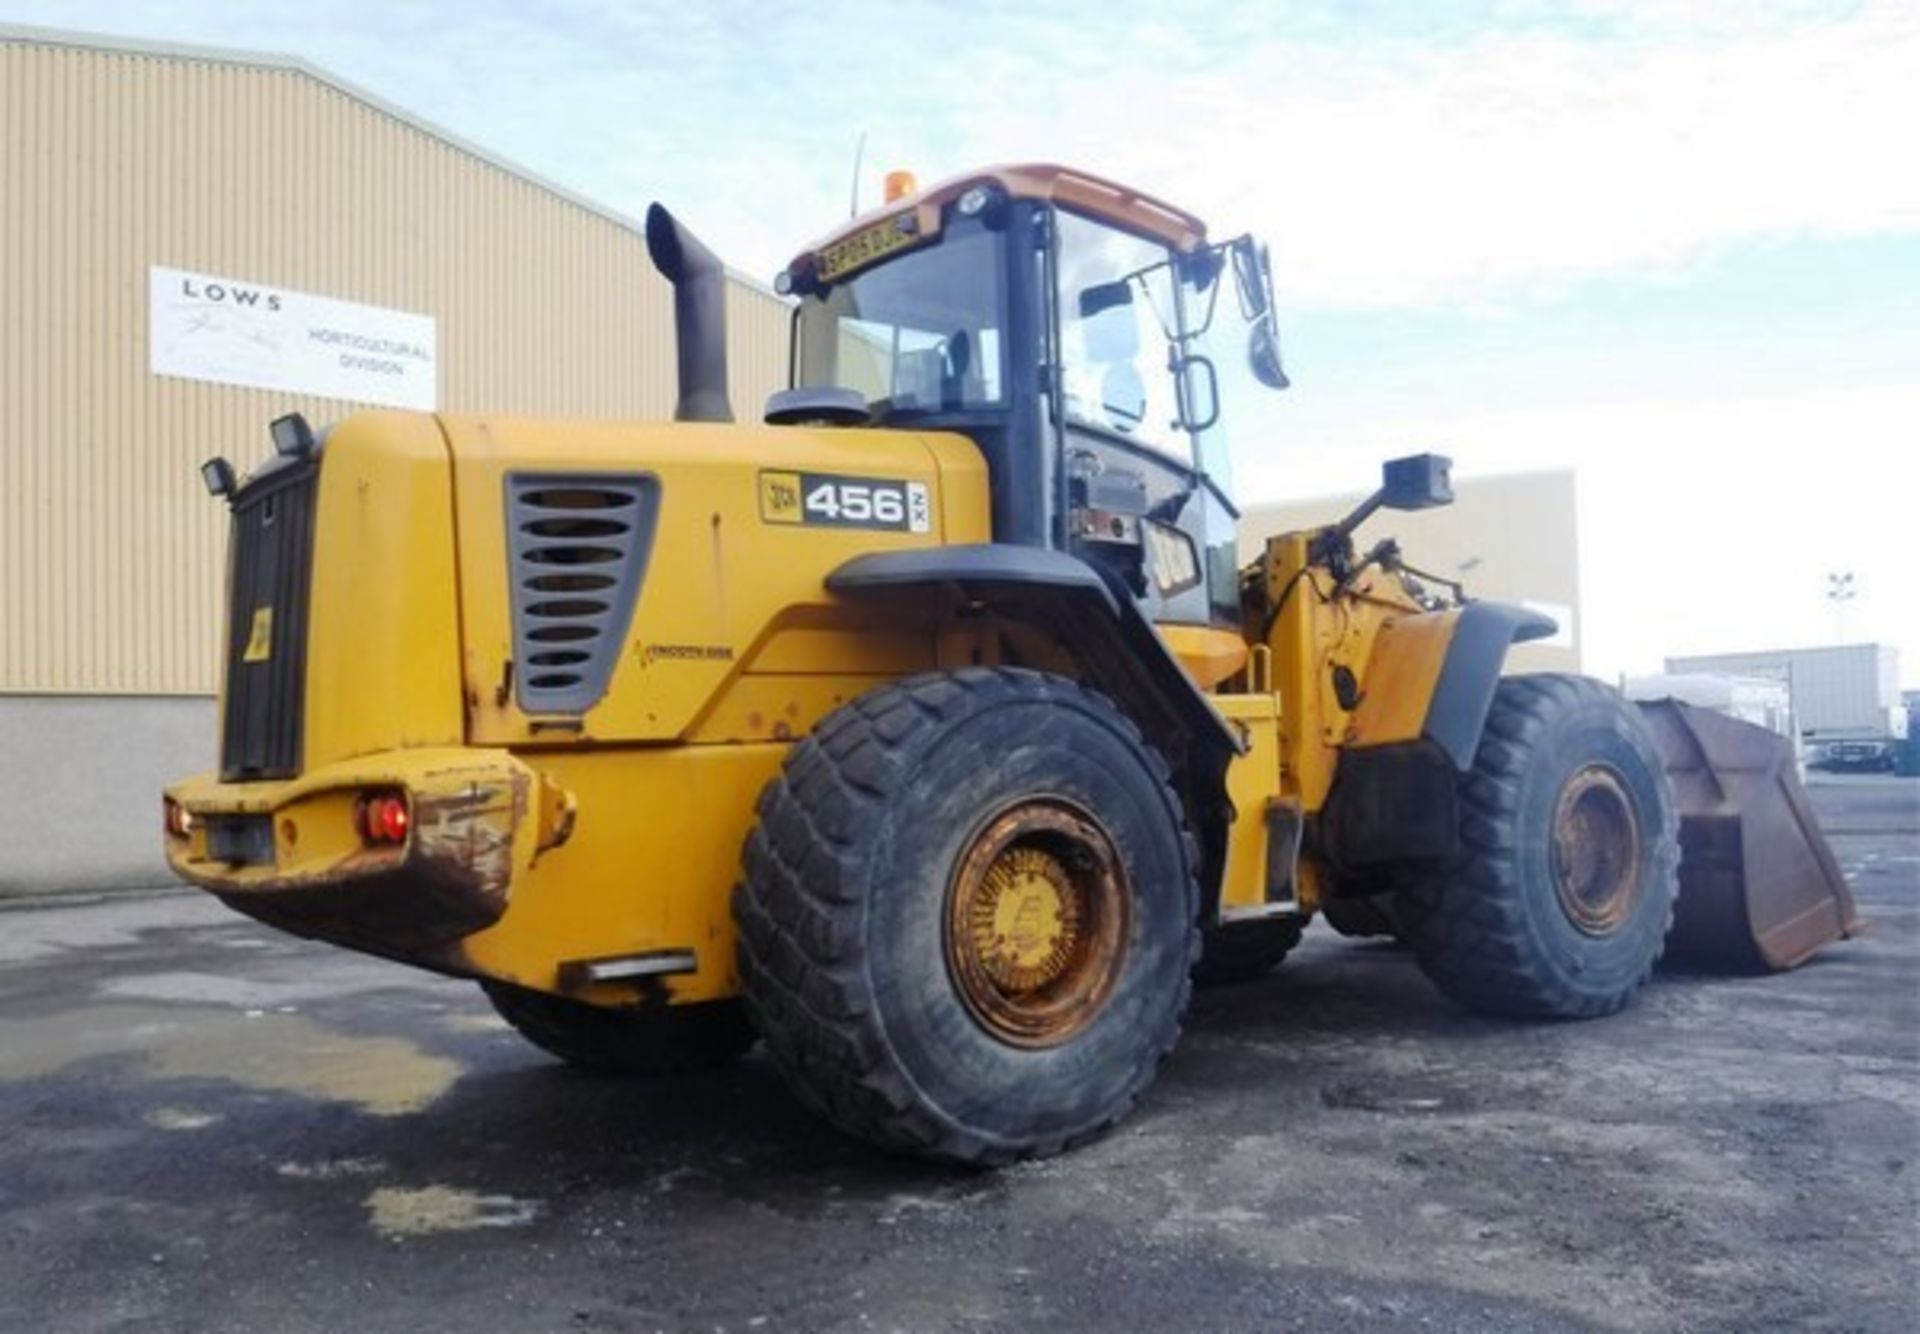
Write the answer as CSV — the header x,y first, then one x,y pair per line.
x,y
269,559
578,547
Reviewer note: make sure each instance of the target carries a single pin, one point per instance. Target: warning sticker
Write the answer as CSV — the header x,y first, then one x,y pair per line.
x,y
260,637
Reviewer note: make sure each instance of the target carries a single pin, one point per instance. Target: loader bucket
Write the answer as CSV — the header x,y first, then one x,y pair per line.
x,y
1759,887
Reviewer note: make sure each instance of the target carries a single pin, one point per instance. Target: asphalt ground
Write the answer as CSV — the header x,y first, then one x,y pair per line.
x,y
207,1126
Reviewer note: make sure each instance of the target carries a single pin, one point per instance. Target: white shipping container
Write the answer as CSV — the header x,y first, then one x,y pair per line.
x,y
1851,690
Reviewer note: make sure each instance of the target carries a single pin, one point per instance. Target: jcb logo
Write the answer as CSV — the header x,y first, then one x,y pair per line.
x,y
780,497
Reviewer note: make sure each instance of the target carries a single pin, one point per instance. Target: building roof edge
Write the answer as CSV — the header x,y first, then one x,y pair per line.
x,y
273,60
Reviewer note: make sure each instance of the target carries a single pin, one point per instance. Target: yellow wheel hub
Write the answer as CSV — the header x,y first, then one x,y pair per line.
x,y
1037,915
1025,919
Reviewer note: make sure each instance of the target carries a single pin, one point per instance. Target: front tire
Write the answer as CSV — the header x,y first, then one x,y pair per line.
x,y
665,1040
968,916
1559,900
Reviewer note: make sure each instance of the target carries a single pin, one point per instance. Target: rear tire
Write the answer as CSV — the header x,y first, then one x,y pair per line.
x,y
1559,900
665,1040
968,916
1246,951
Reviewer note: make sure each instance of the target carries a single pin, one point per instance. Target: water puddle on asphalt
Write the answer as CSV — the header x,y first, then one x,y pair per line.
x,y
396,1212
280,1053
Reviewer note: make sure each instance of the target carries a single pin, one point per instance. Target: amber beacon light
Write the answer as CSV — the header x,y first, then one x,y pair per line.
x,y
900,184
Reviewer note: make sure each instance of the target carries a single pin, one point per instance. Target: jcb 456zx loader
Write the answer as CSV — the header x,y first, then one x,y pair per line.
x,y
930,731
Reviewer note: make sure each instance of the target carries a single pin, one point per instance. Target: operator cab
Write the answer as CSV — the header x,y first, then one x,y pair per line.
x,y
1068,325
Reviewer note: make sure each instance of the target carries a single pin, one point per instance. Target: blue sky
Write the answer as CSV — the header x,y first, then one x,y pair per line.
x,y
1675,245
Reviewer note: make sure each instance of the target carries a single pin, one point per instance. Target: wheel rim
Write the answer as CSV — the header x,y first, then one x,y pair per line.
x,y
1596,851
1037,923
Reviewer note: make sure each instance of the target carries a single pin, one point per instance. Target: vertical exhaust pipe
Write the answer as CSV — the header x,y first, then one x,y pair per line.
x,y
699,316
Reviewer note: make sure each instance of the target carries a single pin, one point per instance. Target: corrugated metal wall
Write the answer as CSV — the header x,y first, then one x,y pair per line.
x,y
112,161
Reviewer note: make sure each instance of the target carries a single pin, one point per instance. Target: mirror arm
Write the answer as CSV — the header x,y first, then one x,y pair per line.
x,y
1361,513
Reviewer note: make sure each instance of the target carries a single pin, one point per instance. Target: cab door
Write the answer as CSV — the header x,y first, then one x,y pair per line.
x,y
1135,499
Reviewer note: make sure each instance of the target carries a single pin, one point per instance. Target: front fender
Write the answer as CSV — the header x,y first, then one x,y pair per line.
x,y
983,570
1429,688
1463,694
1116,646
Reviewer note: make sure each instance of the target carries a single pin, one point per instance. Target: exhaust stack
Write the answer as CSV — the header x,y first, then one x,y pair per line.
x,y
699,316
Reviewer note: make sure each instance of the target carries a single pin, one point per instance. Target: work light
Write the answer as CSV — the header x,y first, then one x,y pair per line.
x,y
217,476
292,436
974,200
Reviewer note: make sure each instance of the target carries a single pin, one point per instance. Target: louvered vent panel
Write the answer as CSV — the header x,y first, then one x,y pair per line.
x,y
268,589
578,547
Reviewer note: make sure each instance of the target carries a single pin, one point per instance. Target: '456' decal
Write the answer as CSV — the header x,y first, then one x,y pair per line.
x,y
845,502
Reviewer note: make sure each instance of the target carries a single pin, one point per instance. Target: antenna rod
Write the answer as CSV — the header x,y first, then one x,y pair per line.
x,y
853,200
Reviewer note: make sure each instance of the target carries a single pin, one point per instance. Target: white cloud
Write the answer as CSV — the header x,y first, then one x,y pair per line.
x,y
1395,159
1396,173
1388,172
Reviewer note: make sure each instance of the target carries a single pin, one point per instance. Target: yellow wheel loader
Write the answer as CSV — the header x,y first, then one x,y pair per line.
x,y
928,730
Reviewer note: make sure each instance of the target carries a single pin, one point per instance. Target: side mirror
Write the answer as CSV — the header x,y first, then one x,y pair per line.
x,y
1263,354
1104,297
1417,482
1253,276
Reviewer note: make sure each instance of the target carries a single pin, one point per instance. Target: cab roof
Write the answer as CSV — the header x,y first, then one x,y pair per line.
x,y
1082,191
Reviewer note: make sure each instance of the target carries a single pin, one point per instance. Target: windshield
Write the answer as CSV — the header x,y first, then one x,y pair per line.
x,y
920,333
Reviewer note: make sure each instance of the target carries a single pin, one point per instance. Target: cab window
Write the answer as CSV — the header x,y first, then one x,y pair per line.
x,y
1117,313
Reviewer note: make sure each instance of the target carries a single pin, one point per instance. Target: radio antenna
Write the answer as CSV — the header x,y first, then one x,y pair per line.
x,y
853,198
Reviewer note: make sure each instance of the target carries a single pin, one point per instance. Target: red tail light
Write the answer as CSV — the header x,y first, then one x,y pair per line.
x,y
384,818
179,820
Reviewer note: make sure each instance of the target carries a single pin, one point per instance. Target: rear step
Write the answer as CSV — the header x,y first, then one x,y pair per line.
x,y
1759,887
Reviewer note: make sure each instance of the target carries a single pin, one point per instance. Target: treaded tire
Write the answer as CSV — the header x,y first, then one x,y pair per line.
x,y
672,1040
843,914
1493,931
1246,951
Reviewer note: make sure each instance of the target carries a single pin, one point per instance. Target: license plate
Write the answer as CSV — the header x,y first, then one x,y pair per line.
x,y
241,840
867,245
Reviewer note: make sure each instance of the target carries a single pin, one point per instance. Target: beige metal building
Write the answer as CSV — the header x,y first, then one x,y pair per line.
x,y
193,242
1511,538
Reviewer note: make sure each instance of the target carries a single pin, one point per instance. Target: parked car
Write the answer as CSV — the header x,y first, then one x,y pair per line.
x,y
1875,757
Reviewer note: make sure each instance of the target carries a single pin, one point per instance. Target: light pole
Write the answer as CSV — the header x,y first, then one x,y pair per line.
x,y
1840,592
